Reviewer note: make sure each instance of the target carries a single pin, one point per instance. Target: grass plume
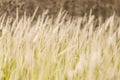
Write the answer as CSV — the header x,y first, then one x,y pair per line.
x,y
56,49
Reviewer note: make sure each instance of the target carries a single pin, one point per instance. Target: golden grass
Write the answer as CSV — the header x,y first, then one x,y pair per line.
x,y
56,49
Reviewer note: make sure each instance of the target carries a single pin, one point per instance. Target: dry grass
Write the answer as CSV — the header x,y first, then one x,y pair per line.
x,y
63,50
104,8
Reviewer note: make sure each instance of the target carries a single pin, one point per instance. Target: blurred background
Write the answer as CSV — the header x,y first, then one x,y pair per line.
x,y
104,8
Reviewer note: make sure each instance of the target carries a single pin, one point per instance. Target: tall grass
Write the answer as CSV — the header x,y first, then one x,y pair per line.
x,y
56,49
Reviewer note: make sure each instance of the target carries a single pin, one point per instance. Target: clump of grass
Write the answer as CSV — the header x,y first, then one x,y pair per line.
x,y
56,49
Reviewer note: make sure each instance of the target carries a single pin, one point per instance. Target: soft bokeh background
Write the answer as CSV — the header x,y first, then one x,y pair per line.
x,y
104,8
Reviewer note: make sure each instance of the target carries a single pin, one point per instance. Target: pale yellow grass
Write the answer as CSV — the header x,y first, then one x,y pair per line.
x,y
48,49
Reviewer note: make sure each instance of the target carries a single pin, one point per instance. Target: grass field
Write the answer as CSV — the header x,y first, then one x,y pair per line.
x,y
59,49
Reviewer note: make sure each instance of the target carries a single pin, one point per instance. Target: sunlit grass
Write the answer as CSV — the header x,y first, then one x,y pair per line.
x,y
48,49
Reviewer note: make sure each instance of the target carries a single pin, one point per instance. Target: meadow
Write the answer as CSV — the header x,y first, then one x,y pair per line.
x,y
58,49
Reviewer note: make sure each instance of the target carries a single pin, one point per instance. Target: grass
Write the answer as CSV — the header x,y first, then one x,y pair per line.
x,y
104,8
55,49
